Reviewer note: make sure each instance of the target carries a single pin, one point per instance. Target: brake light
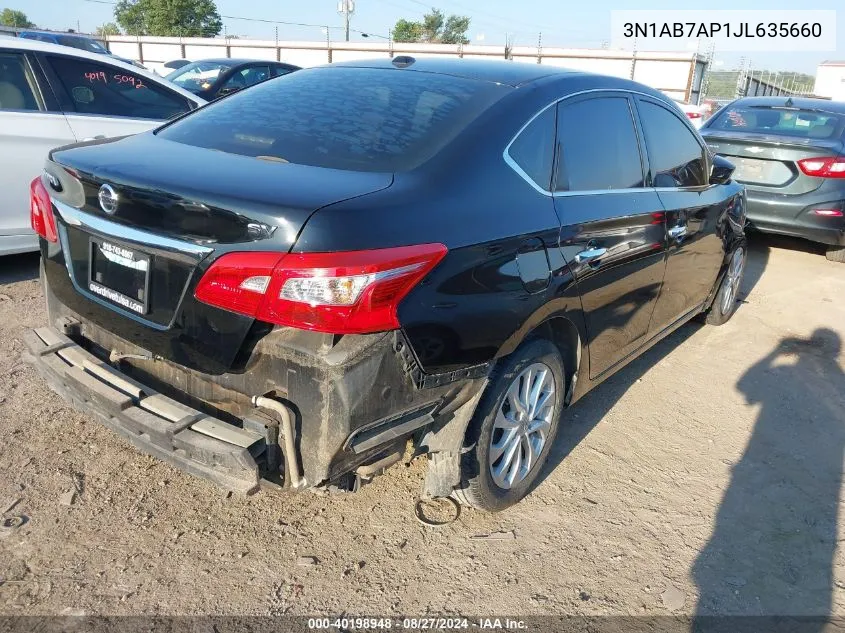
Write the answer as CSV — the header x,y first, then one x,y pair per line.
x,y
41,211
350,292
828,213
694,115
826,167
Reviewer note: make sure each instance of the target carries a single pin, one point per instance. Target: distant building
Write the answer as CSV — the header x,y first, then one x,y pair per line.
x,y
830,80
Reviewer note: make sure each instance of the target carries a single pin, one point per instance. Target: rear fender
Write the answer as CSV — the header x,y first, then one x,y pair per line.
x,y
445,443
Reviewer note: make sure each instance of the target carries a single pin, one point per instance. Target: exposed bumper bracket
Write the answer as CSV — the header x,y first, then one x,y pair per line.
x,y
184,437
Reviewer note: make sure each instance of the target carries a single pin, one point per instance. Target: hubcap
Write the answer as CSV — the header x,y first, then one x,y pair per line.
x,y
732,280
522,425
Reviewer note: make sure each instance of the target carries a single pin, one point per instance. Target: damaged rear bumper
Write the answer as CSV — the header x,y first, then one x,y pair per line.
x,y
197,443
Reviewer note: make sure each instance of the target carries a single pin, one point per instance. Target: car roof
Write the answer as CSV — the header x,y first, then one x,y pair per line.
x,y
236,61
55,34
498,71
47,47
807,103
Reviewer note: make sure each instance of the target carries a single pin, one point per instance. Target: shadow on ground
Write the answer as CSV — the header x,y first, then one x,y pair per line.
x,y
23,267
772,548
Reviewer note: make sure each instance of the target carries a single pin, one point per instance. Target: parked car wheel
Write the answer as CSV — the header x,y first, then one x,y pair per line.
x,y
836,254
724,305
509,438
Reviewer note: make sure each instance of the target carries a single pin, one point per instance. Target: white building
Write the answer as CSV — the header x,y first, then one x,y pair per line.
x,y
830,81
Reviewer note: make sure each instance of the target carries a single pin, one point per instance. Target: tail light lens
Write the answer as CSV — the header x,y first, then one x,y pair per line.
x,y
352,292
41,211
828,213
694,115
827,167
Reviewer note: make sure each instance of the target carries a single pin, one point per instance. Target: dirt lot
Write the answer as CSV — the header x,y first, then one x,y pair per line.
x,y
705,477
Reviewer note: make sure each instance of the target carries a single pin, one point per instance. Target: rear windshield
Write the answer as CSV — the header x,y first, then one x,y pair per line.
x,y
82,43
359,119
781,121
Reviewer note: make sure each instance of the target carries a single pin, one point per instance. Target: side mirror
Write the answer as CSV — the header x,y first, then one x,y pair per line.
x,y
721,170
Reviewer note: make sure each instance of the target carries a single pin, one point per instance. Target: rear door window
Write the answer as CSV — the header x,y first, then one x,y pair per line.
x,y
533,150
362,119
107,90
17,85
675,155
598,146
780,121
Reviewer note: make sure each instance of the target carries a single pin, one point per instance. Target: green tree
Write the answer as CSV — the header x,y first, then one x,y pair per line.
x,y
188,18
434,27
13,17
407,31
455,30
109,28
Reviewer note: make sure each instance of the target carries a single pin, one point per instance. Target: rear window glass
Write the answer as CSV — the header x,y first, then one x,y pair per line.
x,y
359,119
781,121
82,43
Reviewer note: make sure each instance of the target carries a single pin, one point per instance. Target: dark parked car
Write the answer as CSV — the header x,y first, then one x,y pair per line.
x,y
74,41
789,153
293,281
215,78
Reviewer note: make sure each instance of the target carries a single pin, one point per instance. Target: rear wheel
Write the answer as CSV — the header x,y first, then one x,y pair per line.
x,y
509,438
836,254
724,305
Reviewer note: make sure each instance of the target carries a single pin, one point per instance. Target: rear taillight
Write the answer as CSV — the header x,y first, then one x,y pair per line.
x,y
694,115
826,167
41,211
350,292
828,213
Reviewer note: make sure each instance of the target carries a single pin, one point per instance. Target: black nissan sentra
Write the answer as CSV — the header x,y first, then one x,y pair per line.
x,y
292,282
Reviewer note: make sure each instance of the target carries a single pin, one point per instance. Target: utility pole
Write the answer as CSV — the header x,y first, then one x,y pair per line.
x,y
347,8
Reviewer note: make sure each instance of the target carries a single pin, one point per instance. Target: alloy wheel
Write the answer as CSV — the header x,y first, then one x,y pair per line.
x,y
732,280
522,425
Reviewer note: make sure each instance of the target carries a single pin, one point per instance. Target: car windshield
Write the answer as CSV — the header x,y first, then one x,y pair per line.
x,y
198,76
82,43
784,121
360,119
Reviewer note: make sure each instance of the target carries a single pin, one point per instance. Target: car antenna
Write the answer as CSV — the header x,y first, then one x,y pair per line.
x,y
788,103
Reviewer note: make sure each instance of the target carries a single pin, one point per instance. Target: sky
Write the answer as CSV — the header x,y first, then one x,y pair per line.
x,y
569,24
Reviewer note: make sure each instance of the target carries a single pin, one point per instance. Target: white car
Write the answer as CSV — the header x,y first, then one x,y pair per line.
x,y
168,67
53,95
695,114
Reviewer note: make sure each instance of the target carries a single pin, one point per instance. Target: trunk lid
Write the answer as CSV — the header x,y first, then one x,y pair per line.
x,y
176,208
769,162
200,195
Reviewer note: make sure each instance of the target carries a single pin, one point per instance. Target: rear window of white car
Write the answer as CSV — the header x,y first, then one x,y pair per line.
x,y
359,119
780,121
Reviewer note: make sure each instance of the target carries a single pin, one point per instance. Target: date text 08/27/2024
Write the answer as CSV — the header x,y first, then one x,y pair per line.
x,y
456,623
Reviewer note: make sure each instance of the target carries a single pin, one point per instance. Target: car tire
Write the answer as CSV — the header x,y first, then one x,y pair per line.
x,y
726,300
836,254
511,422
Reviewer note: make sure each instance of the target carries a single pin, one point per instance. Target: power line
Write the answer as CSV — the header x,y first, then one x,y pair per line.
x,y
582,37
265,21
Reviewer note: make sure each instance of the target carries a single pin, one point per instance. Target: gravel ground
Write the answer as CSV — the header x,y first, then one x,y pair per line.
x,y
703,478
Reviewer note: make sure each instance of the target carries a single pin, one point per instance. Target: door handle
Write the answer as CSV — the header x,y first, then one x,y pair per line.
x,y
590,254
94,138
678,232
